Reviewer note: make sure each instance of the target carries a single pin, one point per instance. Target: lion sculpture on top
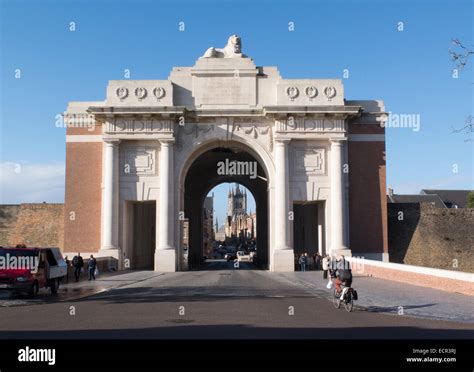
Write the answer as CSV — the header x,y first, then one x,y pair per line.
x,y
233,49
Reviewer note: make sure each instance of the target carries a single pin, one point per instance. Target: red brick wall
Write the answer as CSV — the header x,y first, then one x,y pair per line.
x,y
366,129
83,197
93,130
367,195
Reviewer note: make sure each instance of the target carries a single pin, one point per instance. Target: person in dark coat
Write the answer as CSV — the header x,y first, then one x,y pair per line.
x,y
68,264
92,265
78,264
303,261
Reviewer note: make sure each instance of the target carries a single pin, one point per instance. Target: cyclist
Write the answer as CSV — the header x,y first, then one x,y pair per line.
x,y
343,276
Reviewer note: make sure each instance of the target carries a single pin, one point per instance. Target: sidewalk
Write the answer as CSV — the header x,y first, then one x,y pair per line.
x,y
74,291
385,296
104,282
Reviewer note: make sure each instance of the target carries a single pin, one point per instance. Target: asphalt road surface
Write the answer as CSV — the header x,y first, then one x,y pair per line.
x,y
216,302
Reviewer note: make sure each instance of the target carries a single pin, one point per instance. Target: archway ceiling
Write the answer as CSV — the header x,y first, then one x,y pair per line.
x,y
202,175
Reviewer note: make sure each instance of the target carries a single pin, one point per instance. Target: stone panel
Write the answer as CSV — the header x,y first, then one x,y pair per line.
x,y
309,161
140,161
230,82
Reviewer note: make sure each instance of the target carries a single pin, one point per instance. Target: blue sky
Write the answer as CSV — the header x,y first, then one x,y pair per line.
x,y
410,70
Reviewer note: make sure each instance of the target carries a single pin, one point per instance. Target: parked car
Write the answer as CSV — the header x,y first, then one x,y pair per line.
x,y
243,257
27,270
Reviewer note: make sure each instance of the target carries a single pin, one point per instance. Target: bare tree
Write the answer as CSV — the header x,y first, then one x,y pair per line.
x,y
460,56
459,53
468,129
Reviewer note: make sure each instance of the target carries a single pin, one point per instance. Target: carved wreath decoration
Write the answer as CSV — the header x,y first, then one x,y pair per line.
x,y
140,93
311,91
292,92
159,92
122,93
330,92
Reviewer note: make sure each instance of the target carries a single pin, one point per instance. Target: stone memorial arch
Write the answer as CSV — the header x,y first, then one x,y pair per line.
x,y
139,163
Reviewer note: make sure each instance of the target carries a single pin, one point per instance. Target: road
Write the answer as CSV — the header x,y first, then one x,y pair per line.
x,y
216,302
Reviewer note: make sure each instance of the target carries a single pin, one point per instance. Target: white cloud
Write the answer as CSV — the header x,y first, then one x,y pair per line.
x,y
31,183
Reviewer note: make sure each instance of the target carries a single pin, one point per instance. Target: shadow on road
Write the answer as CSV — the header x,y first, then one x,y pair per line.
x,y
185,293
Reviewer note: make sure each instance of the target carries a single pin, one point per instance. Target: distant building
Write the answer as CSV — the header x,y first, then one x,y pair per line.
x,y
450,198
219,232
437,198
239,224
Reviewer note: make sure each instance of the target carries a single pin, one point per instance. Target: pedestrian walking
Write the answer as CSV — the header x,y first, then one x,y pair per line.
x,y
325,266
317,261
92,266
303,261
78,264
68,264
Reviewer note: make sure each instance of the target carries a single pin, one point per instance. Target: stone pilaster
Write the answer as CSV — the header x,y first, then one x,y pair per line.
x,y
110,194
165,253
339,208
283,259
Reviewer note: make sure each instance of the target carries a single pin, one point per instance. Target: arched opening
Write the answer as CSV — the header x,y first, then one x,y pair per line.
x,y
217,165
230,228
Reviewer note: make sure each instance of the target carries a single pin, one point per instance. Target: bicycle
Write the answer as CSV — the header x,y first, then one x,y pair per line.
x,y
348,300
